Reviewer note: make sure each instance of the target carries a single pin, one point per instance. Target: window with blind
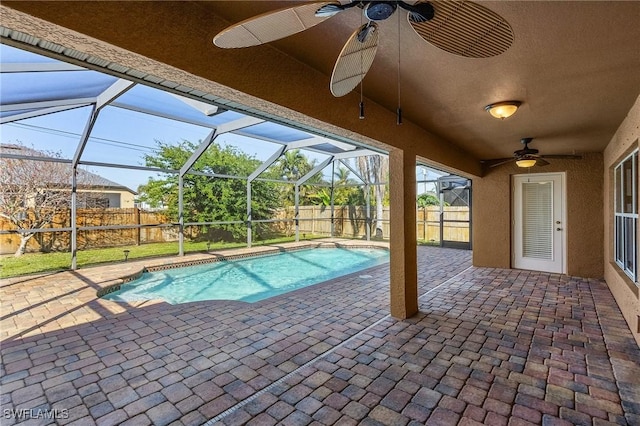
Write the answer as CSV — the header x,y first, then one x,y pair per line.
x,y
626,215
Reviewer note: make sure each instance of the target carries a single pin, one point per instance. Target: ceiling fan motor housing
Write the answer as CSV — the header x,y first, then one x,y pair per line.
x,y
379,10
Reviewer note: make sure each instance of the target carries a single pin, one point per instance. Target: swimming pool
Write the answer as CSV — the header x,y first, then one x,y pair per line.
x,y
249,279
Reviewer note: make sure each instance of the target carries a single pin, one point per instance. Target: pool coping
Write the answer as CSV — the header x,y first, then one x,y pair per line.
x,y
225,255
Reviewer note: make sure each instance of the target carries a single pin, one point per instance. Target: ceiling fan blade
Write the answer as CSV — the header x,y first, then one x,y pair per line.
x,y
497,162
466,29
275,25
541,162
419,11
355,59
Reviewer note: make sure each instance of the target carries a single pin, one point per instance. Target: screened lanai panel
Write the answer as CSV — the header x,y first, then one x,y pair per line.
x,y
11,55
226,117
149,99
132,128
126,183
328,173
276,131
126,137
6,114
293,165
355,174
331,149
39,86
63,87
53,134
27,87
260,150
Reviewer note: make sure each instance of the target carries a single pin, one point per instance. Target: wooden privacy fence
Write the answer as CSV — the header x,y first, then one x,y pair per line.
x,y
61,241
118,237
349,222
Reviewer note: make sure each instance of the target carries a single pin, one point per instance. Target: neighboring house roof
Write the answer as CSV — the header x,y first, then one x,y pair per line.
x,y
86,179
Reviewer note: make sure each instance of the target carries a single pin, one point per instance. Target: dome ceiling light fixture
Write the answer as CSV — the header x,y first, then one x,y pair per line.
x,y
504,109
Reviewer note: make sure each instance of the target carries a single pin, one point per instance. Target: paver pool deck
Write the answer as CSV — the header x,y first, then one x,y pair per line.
x,y
489,346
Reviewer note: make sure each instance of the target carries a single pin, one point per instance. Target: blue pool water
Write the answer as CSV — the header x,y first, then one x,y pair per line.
x,y
250,279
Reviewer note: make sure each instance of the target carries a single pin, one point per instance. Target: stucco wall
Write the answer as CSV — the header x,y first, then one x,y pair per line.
x,y
492,198
626,293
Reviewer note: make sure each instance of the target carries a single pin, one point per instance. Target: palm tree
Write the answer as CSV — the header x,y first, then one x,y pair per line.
x,y
292,166
342,176
341,195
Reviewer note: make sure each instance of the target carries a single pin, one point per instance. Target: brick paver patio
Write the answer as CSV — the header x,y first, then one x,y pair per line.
x,y
489,346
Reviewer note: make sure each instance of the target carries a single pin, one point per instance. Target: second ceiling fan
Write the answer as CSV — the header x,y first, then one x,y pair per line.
x,y
529,157
460,27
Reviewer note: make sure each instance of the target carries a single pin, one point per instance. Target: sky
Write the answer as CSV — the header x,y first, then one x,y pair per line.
x,y
120,136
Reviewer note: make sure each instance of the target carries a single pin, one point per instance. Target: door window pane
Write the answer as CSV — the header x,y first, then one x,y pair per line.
x,y
537,220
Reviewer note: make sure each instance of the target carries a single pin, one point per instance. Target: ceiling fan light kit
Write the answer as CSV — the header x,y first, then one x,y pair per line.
x,y
526,162
529,157
504,109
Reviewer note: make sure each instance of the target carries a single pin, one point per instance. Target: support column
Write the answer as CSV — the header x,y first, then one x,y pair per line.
x,y
333,174
367,211
74,182
136,214
249,216
74,219
403,244
441,211
180,215
297,211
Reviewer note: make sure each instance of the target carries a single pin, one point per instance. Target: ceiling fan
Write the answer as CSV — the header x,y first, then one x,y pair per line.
x,y
528,157
460,27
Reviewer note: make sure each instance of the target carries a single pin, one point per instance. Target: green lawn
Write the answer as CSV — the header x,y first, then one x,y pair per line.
x,y
31,263
429,243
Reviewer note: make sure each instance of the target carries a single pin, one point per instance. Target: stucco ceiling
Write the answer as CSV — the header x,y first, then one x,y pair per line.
x,y
574,65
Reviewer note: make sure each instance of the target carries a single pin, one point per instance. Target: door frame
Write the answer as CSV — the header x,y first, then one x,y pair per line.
x,y
563,213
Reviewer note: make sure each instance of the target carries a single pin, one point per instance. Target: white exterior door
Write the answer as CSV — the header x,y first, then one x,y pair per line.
x,y
539,222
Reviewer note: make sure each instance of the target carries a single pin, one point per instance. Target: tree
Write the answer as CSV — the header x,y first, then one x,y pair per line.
x,y
209,199
343,195
348,195
375,170
425,200
36,193
292,166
